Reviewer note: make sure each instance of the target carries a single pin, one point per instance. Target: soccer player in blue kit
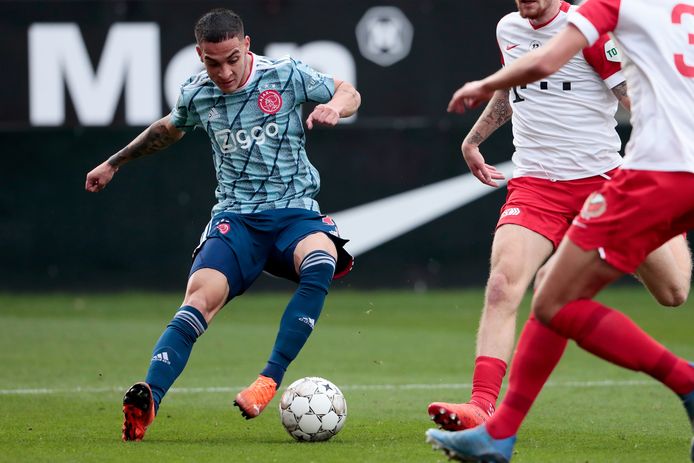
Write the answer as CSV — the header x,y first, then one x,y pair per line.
x,y
266,217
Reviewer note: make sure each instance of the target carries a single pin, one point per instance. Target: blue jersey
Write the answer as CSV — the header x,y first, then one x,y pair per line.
x,y
257,134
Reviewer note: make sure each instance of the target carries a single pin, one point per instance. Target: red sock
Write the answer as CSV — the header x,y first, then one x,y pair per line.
x,y
486,382
538,352
611,335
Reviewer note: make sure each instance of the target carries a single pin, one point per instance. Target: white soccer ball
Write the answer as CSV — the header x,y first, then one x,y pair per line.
x,y
313,409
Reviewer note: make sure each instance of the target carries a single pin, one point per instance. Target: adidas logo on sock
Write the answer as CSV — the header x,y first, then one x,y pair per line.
x,y
162,357
309,321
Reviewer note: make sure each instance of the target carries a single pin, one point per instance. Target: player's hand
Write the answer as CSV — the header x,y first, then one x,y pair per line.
x,y
468,96
484,172
99,177
323,115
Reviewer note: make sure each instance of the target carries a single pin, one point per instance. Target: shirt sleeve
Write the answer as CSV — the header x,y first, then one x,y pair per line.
x,y
312,85
181,115
604,57
498,43
595,18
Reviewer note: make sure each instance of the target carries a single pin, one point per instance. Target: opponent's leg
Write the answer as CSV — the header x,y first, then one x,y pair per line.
x,y
314,261
667,272
602,331
539,350
517,253
206,294
563,301
611,335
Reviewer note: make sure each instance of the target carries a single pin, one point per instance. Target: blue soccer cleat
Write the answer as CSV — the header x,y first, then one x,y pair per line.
x,y
688,402
472,445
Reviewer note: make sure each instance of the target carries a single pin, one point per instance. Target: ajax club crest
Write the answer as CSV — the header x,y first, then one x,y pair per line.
x,y
270,101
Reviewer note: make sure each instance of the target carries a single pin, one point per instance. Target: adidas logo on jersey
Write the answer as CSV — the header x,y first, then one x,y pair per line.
x,y
510,211
162,357
213,114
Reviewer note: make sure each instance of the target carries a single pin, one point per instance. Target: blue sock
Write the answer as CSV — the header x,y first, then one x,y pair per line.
x,y
171,352
302,312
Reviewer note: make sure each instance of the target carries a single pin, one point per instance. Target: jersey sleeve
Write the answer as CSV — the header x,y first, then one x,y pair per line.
x,y
595,18
604,57
498,43
183,115
311,85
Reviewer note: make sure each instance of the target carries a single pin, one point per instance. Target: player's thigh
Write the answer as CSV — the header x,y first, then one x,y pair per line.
x,y
633,214
672,256
216,256
207,291
234,248
545,207
574,274
517,253
305,232
667,271
317,241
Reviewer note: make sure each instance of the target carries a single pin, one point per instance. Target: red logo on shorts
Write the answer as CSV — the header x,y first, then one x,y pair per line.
x,y
223,228
595,206
270,101
328,220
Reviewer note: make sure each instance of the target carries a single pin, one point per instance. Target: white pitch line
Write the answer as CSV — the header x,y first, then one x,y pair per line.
x,y
353,387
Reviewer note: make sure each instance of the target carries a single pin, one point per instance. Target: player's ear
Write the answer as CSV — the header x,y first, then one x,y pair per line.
x,y
199,51
247,42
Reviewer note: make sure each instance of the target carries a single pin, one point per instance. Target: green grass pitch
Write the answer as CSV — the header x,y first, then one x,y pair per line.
x,y
66,360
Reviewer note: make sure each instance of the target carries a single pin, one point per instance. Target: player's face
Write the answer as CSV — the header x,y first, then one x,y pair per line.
x,y
227,63
534,9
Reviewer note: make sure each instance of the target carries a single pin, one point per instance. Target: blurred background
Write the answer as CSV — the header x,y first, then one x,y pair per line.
x,y
82,78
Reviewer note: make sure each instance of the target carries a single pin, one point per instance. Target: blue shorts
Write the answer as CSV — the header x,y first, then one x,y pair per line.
x,y
242,246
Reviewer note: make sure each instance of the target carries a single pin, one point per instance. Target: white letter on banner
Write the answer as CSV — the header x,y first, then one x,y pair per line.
x,y
59,58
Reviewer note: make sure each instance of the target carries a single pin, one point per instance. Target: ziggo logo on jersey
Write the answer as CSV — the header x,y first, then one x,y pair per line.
x,y
229,141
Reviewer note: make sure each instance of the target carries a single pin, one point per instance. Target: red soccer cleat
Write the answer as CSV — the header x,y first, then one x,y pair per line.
x,y
457,417
138,409
253,400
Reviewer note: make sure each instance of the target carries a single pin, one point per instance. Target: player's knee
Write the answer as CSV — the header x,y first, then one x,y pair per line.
x,y
207,302
543,316
207,291
200,303
542,309
502,294
673,296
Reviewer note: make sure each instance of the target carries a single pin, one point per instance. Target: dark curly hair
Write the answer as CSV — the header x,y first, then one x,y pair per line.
x,y
218,25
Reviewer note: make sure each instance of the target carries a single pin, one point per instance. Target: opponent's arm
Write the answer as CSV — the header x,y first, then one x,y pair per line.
x,y
496,114
156,137
530,67
344,103
620,91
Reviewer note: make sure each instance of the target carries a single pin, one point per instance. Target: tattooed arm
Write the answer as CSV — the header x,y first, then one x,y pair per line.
x,y
496,114
156,137
620,91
